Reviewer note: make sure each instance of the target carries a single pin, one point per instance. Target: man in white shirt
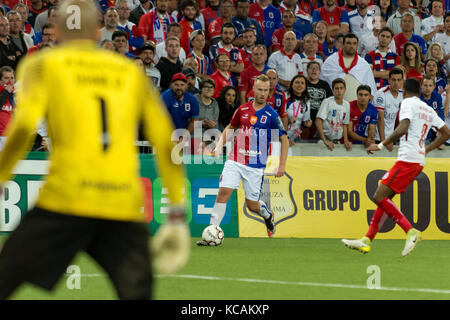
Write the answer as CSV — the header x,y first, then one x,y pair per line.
x,y
347,64
286,61
310,48
395,20
174,30
387,101
434,24
416,119
333,117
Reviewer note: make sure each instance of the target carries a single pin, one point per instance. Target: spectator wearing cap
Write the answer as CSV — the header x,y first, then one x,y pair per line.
x,y
143,7
197,42
146,53
174,30
191,80
170,65
189,10
222,77
182,105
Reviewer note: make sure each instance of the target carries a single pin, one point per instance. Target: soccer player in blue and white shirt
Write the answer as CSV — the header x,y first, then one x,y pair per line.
x,y
387,101
258,125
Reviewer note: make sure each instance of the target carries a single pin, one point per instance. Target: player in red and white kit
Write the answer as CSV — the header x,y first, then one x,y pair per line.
x,y
258,125
416,119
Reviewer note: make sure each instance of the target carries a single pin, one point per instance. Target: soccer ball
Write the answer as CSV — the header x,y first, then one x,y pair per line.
x,y
213,235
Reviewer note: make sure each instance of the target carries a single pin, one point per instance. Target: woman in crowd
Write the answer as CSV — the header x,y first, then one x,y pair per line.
x,y
387,8
208,114
326,44
435,52
227,102
298,108
411,61
431,70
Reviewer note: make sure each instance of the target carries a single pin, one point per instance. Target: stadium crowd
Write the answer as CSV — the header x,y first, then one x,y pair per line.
x,y
336,67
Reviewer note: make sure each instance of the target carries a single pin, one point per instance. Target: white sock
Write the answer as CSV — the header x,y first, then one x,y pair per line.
x,y
218,213
263,210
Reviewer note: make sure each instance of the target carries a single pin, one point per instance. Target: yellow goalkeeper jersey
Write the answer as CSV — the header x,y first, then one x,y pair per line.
x,y
92,101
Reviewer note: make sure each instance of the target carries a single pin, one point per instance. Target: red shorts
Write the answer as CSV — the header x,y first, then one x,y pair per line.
x,y
401,175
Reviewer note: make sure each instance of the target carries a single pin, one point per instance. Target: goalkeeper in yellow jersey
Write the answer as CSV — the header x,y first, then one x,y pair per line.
x,y
92,101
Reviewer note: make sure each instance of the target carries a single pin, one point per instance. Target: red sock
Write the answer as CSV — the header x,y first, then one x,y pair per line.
x,y
394,212
376,223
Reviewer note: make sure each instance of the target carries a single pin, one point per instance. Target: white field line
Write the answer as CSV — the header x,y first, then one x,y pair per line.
x,y
291,283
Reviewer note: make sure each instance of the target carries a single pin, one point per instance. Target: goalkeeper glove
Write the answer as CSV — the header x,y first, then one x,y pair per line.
x,y
171,244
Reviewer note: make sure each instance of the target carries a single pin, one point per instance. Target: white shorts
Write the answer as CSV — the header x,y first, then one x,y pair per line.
x,y
252,179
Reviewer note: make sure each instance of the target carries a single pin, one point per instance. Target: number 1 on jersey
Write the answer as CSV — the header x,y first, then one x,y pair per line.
x,y
105,136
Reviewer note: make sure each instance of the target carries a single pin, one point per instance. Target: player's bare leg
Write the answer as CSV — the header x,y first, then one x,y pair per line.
x,y
261,209
219,209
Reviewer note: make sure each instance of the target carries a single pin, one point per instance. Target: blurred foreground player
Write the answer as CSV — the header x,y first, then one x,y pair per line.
x,y
416,119
258,125
92,197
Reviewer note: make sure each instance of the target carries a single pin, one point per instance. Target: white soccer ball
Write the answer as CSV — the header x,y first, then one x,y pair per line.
x,y
213,235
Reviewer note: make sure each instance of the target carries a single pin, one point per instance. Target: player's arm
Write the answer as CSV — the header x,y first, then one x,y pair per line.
x,y
226,135
283,156
158,130
401,129
442,138
32,101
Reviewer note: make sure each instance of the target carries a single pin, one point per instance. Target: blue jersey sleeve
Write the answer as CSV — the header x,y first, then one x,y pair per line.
x,y
344,17
316,16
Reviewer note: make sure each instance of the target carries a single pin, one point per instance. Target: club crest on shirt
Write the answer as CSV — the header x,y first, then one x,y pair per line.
x,y
263,119
187,107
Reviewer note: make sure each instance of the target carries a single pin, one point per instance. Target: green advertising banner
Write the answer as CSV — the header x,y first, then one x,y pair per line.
x,y
201,188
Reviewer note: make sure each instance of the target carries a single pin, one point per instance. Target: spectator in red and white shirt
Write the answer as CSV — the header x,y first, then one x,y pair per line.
x,y
154,24
288,19
210,13
248,76
249,39
215,27
6,97
222,77
286,61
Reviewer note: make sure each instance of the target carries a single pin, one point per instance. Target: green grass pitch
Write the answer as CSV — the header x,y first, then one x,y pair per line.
x,y
282,269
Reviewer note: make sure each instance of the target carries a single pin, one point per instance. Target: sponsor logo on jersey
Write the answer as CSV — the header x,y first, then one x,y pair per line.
x,y
253,119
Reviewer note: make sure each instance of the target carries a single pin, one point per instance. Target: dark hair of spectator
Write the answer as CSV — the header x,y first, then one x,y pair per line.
x,y
428,78
412,86
350,36
173,25
387,29
221,98
239,1
205,82
48,25
2,10
305,95
363,87
338,80
188,3
446,15
395,71
228,25
119,33
311,63
5,69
